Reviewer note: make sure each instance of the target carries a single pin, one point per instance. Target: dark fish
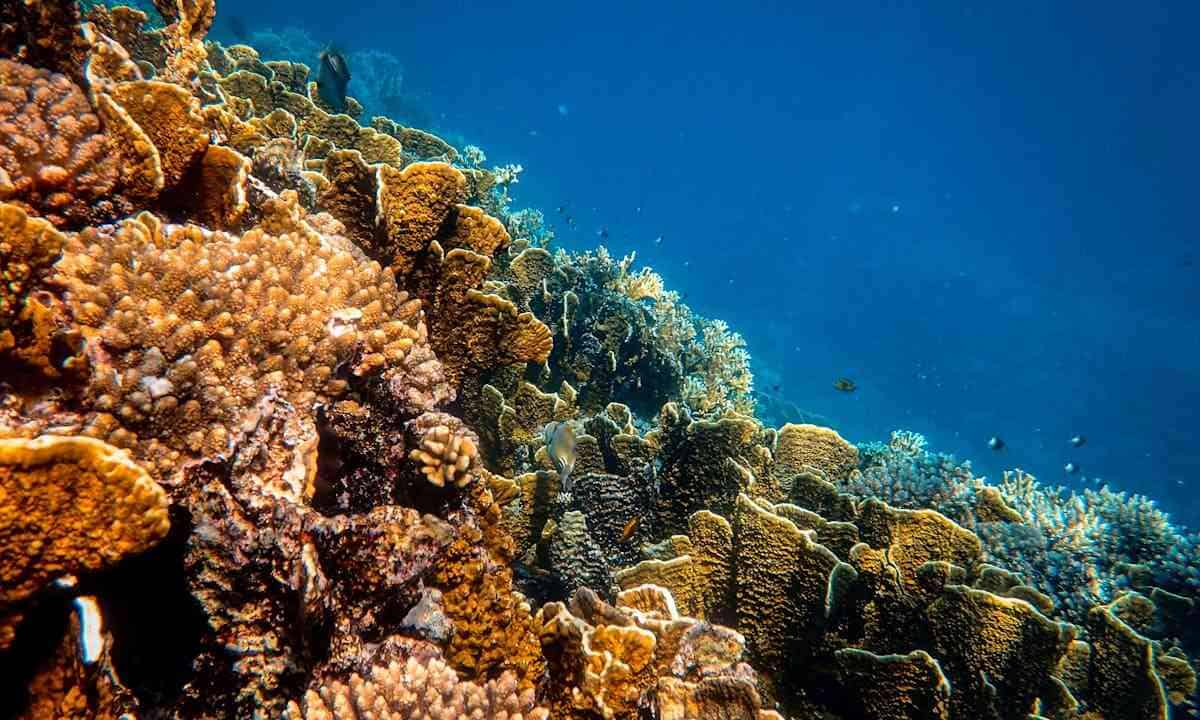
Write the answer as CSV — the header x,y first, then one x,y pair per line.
x,y
603,233
332,78
1071,468
1078,441
562,209
237,27
845,385
996,443
631,528
538,584
775,388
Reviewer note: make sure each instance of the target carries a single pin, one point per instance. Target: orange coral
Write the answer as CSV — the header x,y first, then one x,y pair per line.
x,y
191,327
612,660
55,158
413,204
493,628
69,505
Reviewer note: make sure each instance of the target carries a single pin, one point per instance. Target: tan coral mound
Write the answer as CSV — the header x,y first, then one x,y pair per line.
x,y
69,505
188,328
416,690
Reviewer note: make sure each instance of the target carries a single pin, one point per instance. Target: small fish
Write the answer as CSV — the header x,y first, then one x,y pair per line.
x,y
996,443
845,385
1078,441
631,528
603,233
1071,468
333,76
658,240
1097,481
562,209
775,387
560,446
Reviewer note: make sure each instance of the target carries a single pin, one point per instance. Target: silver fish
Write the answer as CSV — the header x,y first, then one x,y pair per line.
x,y
560,446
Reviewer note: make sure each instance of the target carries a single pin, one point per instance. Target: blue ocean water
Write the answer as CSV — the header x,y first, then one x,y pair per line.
x,y
983,214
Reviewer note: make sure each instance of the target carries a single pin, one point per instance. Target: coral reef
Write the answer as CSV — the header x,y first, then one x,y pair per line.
x,y
297,372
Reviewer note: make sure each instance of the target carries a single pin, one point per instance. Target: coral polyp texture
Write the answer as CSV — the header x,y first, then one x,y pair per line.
x,y
69,505
428,690
55,158
300,419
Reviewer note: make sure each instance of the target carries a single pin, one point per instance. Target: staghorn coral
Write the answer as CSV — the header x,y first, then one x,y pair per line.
x,y
723,383
69,505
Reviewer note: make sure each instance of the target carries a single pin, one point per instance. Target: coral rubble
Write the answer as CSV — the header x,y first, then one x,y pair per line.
x,y
276,384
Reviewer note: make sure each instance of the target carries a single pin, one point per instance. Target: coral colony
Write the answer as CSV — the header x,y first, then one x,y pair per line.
x,y
277,388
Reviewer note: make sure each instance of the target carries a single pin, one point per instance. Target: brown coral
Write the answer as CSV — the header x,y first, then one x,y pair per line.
x,y
189,327
610,660
55,158
70,505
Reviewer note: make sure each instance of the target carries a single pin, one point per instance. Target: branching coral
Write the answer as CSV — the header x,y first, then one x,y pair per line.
x,y
420,690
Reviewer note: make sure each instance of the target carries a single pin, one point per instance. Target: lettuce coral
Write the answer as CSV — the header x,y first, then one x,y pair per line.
x,y
331,354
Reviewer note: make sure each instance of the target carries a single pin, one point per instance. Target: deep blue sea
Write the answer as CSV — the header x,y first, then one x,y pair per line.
x,y
985,214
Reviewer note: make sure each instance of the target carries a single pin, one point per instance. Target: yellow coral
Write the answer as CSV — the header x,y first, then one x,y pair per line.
x,y
799,447
70,505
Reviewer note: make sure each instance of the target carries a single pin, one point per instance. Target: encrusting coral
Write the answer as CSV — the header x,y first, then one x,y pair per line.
x,y
69,505
297,370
